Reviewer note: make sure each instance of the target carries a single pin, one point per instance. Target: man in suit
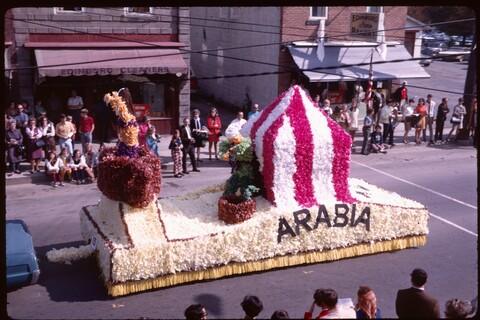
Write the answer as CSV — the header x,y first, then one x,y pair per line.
x,y
188,145
197,128
414,302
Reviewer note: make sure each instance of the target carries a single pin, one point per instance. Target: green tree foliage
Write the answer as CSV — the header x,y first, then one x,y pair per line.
x,y
435,14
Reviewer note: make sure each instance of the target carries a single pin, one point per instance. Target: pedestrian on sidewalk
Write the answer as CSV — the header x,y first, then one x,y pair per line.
x,y
366,129
65,131
65,169
75,104
459,112
414,302
176,149
152,141
377,140
421,111
198,133
409,120
353,112
254,112
188,143
440,120
48,131
35,145
87,126
472,120
214,124
431,112
14,142
53,168
386,119
79,167
74,136
366,307
143,126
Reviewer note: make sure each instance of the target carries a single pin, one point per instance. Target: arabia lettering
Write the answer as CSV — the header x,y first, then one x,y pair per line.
x,y
343,216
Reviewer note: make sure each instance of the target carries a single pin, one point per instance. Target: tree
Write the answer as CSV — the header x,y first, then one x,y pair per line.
x,y
436,14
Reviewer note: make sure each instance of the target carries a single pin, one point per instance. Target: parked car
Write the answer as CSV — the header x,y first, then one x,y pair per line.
x,y
433,47
455,54
22,262
426,61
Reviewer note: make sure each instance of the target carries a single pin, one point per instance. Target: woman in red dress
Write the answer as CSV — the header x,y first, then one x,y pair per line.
x,y
214,124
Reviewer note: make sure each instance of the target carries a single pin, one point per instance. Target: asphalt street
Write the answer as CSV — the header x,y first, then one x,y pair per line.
x,y
444,178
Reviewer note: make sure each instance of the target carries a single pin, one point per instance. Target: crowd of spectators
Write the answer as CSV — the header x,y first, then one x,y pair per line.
x,y
384,116
31,136
413,302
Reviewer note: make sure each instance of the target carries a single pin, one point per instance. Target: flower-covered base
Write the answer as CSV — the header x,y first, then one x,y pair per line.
x,y
129,174
180,239
233,209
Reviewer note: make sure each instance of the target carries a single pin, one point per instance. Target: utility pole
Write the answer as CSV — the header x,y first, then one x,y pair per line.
x,y
470,91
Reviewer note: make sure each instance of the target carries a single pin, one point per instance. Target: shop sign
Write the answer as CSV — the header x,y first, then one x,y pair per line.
x,y
366,24
113,71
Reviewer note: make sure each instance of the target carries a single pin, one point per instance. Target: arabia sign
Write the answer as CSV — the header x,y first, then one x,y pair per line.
x,y
364,26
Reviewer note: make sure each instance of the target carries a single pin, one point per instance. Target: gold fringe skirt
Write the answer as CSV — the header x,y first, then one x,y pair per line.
x,y
237,268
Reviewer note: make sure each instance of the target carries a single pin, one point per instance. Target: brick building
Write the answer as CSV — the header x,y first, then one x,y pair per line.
x,y
142,48
351,37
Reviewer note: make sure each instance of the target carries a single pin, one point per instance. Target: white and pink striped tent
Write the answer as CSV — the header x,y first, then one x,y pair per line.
x,y
304,155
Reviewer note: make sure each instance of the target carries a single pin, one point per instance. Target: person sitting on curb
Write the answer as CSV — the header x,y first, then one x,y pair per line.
x,y
52,164
377,140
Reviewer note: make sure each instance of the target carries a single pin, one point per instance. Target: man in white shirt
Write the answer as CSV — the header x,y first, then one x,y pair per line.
x,y
431,114
407,112
234,127
75,104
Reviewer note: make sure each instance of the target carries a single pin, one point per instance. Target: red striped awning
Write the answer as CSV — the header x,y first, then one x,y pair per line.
x,y
105,62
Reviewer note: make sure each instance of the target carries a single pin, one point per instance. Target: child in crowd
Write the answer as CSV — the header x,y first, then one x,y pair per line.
x,y
176,147
53,164
65,160
91,158
79,167
366,129
152,140
377,140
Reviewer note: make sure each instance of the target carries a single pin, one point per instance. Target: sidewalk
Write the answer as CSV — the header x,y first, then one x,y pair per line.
x,y
227,115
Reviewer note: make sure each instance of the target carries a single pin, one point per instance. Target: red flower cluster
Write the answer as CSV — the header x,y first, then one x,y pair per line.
x,y
303,151
342,143
135,181
233,209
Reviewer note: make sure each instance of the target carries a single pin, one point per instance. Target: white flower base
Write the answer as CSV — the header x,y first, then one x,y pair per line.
x,y
181,239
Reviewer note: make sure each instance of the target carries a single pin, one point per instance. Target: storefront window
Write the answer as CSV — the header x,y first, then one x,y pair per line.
x,y
374,9
318,12
68,9
141,10
154,95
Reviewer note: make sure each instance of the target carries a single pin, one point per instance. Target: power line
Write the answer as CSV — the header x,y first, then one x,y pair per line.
x,y
134,41
320,70
282,33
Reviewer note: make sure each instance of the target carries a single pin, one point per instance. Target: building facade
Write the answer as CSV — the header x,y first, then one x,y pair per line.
x,y
288,42
95,50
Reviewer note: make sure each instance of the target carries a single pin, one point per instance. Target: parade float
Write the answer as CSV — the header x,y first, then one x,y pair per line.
x,y
289,201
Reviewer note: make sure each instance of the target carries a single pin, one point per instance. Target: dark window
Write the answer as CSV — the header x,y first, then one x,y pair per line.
x,y
318,12
139,10
76,9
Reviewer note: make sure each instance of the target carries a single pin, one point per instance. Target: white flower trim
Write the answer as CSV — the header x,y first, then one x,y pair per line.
x,y
67,255
274,115
190,222
285,167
